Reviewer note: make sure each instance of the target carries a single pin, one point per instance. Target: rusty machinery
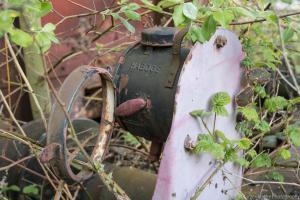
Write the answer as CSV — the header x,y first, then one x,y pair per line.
x,y
142,90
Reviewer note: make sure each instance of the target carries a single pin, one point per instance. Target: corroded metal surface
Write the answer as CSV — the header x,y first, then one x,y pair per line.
x,y
150,73
58,122
210,68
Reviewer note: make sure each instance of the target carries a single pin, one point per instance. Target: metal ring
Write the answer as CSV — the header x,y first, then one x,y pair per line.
x,y
58,122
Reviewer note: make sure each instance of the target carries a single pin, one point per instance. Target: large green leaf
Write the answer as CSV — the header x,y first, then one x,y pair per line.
x,y
132,15
190,10
294,134
20,37
178,16
168,3
127,25
7,18
274,104
223,17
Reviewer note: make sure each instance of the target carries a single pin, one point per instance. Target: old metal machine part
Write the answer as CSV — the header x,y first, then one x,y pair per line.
x,y
28,171
146,81
56,152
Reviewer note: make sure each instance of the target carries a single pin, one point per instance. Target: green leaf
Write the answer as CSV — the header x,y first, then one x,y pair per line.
x,y
208,28
245,12
127,25
46,7
123,1
262,160
151,6
199,113
130,138
206,144
270,16
274,104
276,176
249,113
45,39
31,190
294,134
244,143
190,10
132,15
285,154
260,91
240,196
242,161
168,3
262,126
219,100
7,18
12,188
288,33
49,27
222,136
16,2
220,111
178,16
133,6
217,3
223,17
252,153
20,37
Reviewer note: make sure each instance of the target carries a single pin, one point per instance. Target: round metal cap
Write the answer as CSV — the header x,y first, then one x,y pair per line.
x,y
158,36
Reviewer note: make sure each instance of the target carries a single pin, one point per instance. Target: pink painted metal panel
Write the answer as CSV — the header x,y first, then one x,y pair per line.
x,y
207,70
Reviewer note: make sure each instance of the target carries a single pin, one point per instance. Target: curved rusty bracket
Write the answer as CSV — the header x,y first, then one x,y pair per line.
x,y
58,123
175,65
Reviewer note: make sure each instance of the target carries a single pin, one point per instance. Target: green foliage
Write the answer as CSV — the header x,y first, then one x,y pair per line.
x,y
218,102
129,138
274,104
11,188
199,113
249,113
205,32
262,126
260,91
275,176
169,3
190,10
31,190
244,143
206,144
252,153
46,36
293,132
223,17
178,16
33,10
262,160
285,154
20,37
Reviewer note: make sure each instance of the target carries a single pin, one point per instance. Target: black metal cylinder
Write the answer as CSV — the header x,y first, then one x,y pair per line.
x,y
149,71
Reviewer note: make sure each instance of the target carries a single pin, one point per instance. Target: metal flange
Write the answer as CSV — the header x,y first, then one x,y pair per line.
x,y
56,152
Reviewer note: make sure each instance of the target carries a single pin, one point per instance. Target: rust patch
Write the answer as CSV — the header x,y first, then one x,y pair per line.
x,y
49,153
148,104
121,60
189,145
220,41
188,59
123,81
130,107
